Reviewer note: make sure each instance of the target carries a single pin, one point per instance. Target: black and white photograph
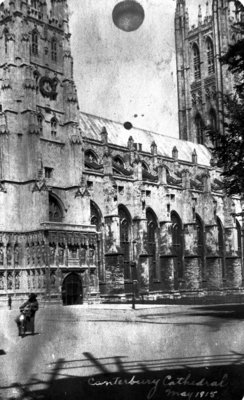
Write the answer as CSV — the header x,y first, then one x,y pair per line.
x,y
122,200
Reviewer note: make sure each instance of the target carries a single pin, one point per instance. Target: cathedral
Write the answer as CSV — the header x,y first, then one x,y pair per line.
x,y
93,210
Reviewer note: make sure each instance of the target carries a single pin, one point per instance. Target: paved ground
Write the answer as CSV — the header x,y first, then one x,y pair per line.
x,y
113,352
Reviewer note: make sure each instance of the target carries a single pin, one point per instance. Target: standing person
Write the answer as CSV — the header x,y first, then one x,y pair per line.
x,y
29,309
10,302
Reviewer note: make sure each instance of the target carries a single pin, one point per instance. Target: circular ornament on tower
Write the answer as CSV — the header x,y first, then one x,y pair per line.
x,y
48,87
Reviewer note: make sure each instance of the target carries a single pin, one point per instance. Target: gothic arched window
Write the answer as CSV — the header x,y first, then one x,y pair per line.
x,y
196,62
54,49
54,124
34,43
55,210
210,56
90,156
118,160
213,119
177,242
40,123
5,32
152,230
95,215
199,129
125,227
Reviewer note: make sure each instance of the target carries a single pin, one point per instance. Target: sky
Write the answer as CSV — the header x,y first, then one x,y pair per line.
x,y
128,76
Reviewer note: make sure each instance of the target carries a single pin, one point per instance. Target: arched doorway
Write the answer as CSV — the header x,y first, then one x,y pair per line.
x,y
72,292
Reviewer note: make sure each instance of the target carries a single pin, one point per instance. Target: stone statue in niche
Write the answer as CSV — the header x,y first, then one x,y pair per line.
x,y
1,281
52,254
28,254
82,255
9,255
44,254
10,281
38,255
53,280
92,256
33,254
28,280
16,255
1,255
61,256
17,280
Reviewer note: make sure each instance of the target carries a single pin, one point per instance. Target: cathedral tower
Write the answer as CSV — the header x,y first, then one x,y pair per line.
x,y
202,79
42,218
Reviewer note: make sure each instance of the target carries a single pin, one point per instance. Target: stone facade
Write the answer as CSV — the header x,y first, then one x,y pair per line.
x,y
202,78
87,207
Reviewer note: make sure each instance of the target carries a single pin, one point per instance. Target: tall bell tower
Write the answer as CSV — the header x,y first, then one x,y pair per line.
x,y
45,229
39,107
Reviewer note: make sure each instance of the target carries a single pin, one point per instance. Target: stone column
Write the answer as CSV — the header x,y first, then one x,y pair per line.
x,y
214,273
166,256
233,259
192,272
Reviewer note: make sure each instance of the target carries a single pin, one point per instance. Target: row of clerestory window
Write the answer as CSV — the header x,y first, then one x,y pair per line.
x,y
197,59
35,46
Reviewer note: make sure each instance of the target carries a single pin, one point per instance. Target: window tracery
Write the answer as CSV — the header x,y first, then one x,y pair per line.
x,y
196,62
55,210
34,43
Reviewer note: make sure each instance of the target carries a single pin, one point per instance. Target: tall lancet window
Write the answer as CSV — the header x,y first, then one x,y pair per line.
x,y
54,49
34,43
196,62
199,129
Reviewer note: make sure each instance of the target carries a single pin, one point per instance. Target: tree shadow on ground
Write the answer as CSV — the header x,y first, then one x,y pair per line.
x,y
115,378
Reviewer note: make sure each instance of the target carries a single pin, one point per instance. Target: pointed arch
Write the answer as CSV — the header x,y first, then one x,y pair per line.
x,y
210,55
5,33
201,244
34,42
55,209
213,119
199,128
221,245
54,125
196,61
152,238
40,123
178,246
118,160
54,46
125,238
90,156
96,215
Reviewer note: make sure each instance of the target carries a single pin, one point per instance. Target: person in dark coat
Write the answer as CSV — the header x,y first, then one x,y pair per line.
x,y
29,309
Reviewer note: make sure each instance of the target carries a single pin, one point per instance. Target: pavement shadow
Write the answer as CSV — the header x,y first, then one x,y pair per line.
x,y
214,377
225,311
